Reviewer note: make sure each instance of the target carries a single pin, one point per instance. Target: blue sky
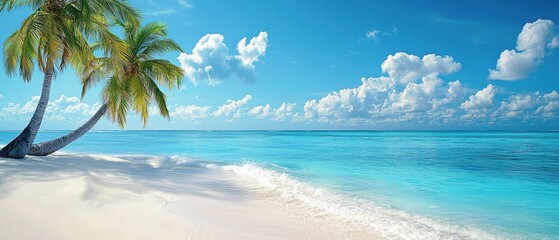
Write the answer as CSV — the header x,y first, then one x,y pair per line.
x,y
334,65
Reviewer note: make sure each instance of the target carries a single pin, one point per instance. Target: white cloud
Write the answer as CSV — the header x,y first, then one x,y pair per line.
x,y
455,91
67,105
161,12
551,96
516,106
284,111
517,64
261,112
372,34
153,111
232,108
251,52
18,109
482,99
93,109
417,96
397,97
211,63
409,68
351,102
190,112
12,109
528,106
184,3
554,43
480,104
414,93
1,96
209,60
63,108
549,107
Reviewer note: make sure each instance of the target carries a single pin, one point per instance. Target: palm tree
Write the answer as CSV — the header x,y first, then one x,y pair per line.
x,y
55,34
133,84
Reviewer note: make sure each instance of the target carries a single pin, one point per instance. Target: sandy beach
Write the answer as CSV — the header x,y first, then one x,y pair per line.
x,y
188,119
78,196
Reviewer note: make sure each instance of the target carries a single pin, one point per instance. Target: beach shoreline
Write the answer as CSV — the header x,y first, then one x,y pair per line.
x,y
82,196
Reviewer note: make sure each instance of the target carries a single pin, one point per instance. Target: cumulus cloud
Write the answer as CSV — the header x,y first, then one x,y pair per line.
x,y
412,86
210,61
479,104
63,108
232,108
551,96
250,52
19,109
68,105
530,106
283,112
554,43
482,99
533,41
455,91
414,92
190,112
350,102
549,107
235,109
416,96
409,68
516,105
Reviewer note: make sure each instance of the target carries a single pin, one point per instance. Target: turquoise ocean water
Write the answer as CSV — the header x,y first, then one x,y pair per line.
x,y
423,184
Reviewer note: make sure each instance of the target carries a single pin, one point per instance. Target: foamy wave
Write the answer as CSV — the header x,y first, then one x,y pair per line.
x,y
390,222
158,162
306,199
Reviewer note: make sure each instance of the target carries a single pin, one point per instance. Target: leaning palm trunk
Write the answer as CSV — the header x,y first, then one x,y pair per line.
x,y
19,147
46,148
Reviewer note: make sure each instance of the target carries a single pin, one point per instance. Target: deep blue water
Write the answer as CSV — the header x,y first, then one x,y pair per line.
x,y
502,182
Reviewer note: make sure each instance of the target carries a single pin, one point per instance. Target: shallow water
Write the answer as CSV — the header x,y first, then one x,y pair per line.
x,y
430,184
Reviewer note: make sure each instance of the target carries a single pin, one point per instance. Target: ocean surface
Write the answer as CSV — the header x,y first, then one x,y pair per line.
x,y
414,185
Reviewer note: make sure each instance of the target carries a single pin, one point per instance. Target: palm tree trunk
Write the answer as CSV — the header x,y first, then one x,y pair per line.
x,y
46,148
19,147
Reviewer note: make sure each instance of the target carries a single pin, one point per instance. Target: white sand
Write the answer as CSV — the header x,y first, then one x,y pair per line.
x,y
72,196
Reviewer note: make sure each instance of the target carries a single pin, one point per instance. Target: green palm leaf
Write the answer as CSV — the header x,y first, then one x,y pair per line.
x,y
136,72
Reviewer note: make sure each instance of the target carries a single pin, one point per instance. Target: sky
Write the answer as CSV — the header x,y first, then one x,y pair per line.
x,y
332,65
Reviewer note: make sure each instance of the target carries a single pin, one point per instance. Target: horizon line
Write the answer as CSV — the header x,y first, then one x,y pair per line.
x,y
296,130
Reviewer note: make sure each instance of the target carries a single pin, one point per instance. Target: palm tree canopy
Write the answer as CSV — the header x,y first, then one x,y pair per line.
x,y
57,33
134,79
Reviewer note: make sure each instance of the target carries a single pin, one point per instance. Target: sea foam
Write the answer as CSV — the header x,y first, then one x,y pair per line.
x,y
276,185
391,223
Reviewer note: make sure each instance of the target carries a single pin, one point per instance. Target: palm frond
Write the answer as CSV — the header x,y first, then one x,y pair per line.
x,y
22,46
120,11
136,75
147,34
94,72
164,72
11,4
159,46
158,96
141,97
115,94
